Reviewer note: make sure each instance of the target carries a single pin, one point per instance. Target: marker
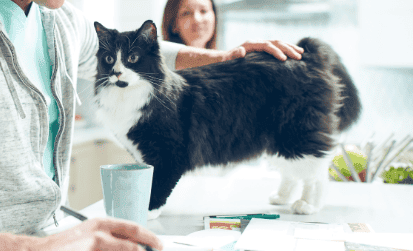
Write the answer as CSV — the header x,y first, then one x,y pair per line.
x,y
247,216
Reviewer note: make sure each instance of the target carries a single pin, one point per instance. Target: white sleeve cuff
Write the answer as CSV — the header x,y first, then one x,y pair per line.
x,y
170,51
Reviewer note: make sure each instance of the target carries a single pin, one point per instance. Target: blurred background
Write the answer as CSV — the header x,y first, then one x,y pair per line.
x,y
373,37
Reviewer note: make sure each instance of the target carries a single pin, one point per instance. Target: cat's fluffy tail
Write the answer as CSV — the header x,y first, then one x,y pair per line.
x,y
329,60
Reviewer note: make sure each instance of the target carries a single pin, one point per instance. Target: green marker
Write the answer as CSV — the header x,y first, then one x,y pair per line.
x,y
248,216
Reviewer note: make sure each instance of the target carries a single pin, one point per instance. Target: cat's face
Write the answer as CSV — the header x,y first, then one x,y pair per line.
x,y
127,59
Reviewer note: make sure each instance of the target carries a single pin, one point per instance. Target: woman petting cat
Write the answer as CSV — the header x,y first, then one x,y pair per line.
x,y
220,113
194,22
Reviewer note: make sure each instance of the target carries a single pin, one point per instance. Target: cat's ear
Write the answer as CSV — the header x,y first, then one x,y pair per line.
x,y
148,29
100,29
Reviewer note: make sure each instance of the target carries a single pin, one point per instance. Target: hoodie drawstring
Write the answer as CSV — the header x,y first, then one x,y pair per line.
x,y
10,84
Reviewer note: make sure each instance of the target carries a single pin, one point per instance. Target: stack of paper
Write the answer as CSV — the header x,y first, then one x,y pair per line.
x,y
268,235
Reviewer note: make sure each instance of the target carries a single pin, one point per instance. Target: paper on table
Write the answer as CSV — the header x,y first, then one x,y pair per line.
x,y
390,240
262,234
209,238
326,232
169,245
319,245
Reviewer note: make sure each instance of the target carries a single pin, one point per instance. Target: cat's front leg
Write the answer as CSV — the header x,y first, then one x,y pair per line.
x,y
154,213
165,178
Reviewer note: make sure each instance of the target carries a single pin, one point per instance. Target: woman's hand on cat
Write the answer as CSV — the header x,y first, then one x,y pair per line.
x,y
94,234
280,50
192,57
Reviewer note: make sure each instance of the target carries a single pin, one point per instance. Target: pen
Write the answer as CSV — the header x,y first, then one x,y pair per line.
x,y
73,213
83,218
247,216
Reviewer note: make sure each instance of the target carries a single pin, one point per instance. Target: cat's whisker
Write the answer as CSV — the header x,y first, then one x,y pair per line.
x,y
161,102
93,84
155,78
93,87
166,96
170,100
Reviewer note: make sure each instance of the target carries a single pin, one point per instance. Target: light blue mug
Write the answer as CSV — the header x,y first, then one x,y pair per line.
x,y
127,191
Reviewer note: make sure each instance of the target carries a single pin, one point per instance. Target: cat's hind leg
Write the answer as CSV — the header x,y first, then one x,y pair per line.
x,y
313,171
313,197
285,192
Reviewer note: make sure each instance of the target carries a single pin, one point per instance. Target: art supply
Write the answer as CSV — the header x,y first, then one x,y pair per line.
x,y
83,218
226,224
127,191
248,216
349,164
73,213
234,222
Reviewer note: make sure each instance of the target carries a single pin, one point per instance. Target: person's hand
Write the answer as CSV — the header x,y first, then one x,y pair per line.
x,y
192,57
280,50
97,234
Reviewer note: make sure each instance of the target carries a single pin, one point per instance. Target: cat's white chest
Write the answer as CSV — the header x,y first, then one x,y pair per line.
x,y
120,110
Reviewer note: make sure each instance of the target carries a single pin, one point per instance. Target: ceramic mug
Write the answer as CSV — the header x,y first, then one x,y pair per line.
x,y
127,191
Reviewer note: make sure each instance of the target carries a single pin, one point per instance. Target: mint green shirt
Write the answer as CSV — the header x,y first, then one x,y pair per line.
x,y
29,39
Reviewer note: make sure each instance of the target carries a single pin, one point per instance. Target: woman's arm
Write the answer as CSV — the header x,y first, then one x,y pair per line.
x,y
192,57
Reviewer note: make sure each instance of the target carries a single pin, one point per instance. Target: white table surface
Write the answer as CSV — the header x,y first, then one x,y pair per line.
x,y
387,208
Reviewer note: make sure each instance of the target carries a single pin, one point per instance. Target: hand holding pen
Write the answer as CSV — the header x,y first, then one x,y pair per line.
x,y
97,234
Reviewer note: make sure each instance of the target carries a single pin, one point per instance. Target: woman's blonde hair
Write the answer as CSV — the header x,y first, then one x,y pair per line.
x,y
168,22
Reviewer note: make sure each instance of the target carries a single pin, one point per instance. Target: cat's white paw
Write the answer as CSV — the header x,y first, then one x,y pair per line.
x,y
302,207
153,214
276,199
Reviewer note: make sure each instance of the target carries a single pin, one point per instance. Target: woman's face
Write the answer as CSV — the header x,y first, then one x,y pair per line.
x,y
195,22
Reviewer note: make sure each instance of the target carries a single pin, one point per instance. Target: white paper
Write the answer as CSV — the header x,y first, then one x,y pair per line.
x,y
390,240
169,245
209,238
318,245
332,233
266,235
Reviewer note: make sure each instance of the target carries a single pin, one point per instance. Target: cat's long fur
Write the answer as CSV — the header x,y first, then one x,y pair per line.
x,y
225,112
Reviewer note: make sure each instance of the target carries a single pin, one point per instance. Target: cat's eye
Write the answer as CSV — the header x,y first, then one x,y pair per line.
x,y
133,59
109,59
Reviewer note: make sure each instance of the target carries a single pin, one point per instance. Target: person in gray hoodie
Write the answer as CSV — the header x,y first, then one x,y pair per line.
x,y
45,46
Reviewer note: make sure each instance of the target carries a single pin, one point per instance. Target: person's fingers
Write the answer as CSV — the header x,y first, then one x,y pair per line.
x,y
278,49
289,50
266,46
238,52
297,48
104,241
130,231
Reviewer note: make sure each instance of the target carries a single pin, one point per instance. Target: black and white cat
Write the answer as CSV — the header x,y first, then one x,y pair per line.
x,y
222,113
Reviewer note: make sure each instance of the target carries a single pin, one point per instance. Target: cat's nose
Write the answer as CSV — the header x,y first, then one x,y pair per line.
x,y
117,74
